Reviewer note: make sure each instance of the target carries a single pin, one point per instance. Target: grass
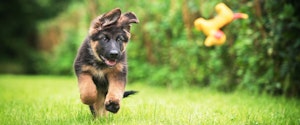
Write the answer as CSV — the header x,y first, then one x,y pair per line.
x,y
55,100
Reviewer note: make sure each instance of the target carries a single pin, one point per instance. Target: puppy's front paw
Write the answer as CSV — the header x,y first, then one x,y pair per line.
x,y
112,106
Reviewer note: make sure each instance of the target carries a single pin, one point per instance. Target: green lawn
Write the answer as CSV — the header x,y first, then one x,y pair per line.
x,y
55,100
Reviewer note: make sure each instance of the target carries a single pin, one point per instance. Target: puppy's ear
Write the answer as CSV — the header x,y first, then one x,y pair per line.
x,y
104,20
110,17
126,19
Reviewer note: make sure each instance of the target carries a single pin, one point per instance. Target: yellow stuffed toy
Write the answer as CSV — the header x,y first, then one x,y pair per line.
x,y
211,27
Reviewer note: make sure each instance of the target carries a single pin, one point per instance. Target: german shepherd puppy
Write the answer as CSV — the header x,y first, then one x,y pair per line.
x,y
101,65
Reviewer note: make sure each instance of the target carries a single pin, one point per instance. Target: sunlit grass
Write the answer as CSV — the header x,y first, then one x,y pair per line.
x,y
55,100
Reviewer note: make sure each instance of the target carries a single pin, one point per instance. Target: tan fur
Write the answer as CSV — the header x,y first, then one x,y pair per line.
x,y
124,47
94,44
92,71
89,93
115,89
127,33
99,105
87,89
100,73
95,25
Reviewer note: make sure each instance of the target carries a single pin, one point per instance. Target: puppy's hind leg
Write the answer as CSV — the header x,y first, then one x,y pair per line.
x,y
99,108
92,110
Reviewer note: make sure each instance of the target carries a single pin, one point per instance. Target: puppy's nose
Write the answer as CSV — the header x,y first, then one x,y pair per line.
x,y
113,54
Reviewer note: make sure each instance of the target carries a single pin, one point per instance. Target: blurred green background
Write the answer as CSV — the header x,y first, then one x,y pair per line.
x,y
261,54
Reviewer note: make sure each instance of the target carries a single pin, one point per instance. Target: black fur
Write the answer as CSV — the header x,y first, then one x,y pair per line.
x,y
128,93
102,56
92,110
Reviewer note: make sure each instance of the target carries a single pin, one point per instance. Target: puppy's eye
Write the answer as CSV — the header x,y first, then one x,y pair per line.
x,y
104,38
120,39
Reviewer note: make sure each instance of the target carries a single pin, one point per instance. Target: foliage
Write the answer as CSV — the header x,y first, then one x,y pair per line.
x,y
261,54
55,100
69,28
18,38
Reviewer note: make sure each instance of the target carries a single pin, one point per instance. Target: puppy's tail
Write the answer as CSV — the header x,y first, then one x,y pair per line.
x,y
128,93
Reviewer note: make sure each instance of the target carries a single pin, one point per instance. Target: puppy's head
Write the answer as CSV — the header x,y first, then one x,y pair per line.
x,y
109,35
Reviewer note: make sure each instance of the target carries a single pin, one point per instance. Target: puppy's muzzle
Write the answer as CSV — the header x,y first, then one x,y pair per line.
x,y
113,54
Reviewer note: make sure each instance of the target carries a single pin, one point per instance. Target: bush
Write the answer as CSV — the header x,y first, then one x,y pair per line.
x,y
261,54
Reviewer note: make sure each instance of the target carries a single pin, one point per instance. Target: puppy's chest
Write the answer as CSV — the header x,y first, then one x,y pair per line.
x,y
98,73
95,72
102,72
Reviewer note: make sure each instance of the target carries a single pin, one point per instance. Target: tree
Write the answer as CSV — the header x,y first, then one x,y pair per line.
x,y
18,34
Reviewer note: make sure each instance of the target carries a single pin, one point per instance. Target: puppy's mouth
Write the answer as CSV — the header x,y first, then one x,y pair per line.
x,y
109,62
